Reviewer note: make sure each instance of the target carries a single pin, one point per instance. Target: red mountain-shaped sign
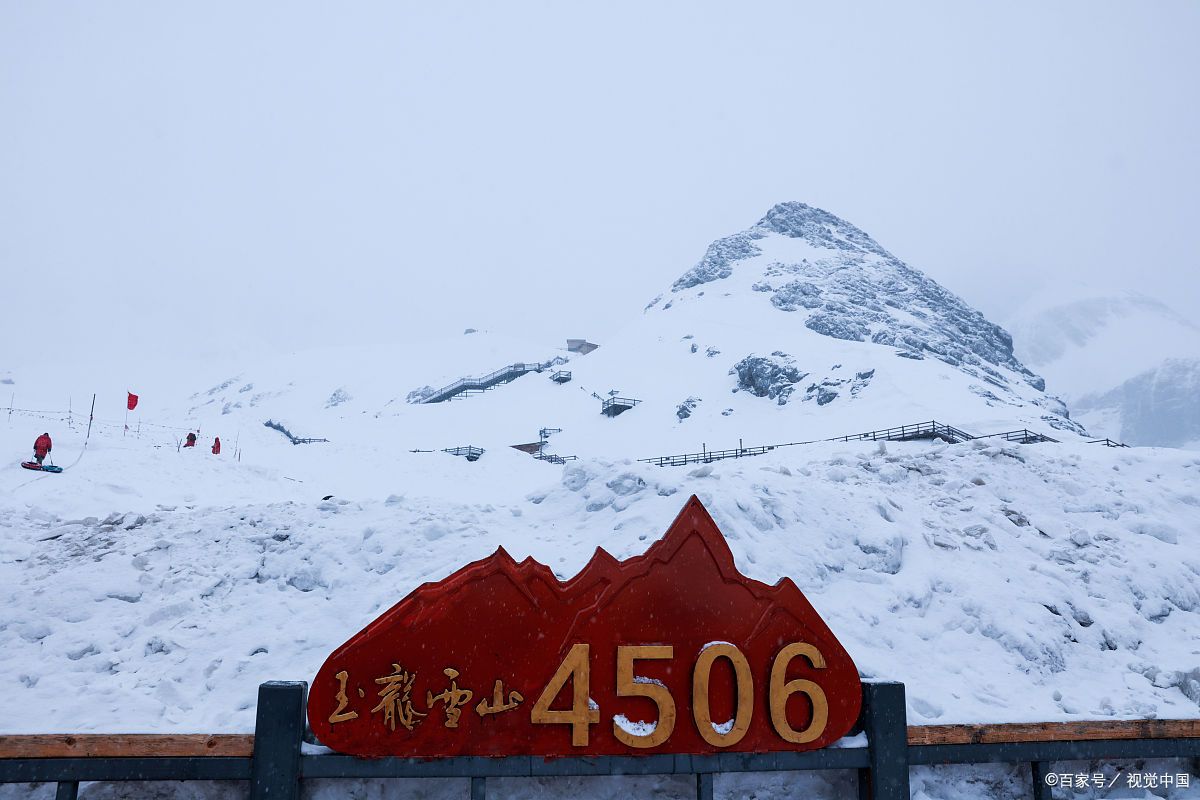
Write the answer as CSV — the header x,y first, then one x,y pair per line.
x,y
673,651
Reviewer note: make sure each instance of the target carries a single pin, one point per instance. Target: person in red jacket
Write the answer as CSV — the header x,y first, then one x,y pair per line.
x,y
191,440
216,445
41,446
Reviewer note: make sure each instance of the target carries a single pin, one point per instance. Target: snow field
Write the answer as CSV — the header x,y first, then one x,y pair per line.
x,y
1000,583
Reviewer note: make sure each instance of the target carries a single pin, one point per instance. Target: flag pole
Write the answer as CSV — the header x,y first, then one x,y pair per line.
x,y
91,414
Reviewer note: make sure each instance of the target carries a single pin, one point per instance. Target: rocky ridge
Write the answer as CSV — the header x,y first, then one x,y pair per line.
x,y
858,291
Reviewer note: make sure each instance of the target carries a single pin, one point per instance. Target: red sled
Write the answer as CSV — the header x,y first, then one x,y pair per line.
x,y
40,467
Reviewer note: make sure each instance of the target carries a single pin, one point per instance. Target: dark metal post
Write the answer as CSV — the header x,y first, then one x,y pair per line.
x,y
1041,790
278,730
885,722
67,790
704,786
478,788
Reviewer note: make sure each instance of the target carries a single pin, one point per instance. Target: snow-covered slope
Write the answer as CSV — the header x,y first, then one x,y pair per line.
x,y
1125,362
1000,582
157,586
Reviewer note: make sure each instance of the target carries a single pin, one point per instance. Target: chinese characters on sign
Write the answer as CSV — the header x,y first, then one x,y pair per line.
x,y
673,651
394,700
395,703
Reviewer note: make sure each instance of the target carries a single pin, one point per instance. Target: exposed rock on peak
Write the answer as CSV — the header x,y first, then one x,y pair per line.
x,y
839,282
774,376
819,228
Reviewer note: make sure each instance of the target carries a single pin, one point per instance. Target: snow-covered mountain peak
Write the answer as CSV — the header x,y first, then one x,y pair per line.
x,y
793,220
833,279
819,228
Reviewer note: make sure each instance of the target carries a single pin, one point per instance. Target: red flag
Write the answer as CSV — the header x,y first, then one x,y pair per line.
x,y
131,403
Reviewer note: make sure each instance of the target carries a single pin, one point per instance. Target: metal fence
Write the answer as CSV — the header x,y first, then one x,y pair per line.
x,y
470,452
1022,436
274,764
901,433
904,433
708,456
615,405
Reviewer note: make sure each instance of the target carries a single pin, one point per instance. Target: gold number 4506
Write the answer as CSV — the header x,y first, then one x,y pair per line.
x,y
576,667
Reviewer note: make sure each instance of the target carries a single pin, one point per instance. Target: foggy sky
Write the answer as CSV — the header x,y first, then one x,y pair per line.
x,y
200,177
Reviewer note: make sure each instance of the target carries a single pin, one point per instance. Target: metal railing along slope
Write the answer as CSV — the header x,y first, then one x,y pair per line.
x,y
901,433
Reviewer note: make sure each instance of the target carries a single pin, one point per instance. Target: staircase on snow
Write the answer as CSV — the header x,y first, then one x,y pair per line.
x,y
507,374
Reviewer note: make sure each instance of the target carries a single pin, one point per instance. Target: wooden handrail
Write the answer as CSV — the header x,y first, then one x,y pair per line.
x,y
241,745
1055,731
122,745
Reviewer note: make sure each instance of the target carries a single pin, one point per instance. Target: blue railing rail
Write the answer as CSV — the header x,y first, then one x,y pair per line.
x,y
274,763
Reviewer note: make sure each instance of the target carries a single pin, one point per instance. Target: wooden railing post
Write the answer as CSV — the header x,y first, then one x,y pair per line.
x,y
885,721
278,732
